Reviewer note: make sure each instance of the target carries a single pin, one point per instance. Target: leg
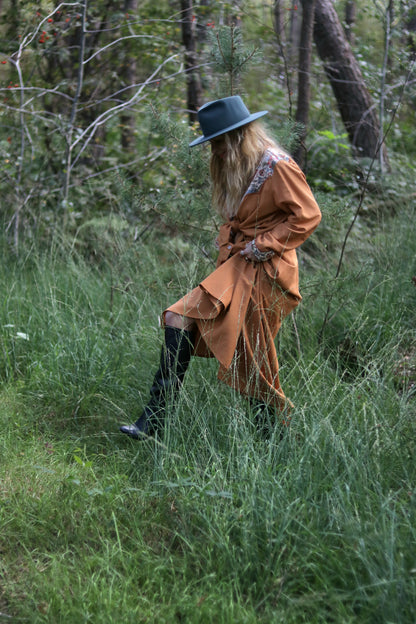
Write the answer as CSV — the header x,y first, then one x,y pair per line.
x,y
174,361
266,419
180,322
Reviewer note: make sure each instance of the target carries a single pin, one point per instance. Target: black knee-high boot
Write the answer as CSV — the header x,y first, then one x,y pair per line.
x,y
264,417
174,361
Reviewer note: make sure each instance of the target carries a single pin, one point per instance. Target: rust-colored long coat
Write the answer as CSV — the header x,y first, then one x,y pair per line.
x,y
239,307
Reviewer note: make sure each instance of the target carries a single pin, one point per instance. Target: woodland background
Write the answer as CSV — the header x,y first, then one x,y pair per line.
x,y
105,219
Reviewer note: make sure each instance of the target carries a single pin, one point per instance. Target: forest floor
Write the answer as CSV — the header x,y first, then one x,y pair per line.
x,y
212,523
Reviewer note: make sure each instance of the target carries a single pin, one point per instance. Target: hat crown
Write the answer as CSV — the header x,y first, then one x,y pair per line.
x,y
222,116
215,117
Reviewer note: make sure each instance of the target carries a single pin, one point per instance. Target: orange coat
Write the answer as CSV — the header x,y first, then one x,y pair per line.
x,y
239,307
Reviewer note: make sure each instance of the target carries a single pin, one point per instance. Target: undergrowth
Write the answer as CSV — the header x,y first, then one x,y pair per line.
x,y
212,523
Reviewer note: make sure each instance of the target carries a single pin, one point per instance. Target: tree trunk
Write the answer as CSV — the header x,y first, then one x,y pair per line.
x,y
128,73
293,32
193,82
278,21
305,56
410,29
350,14
354,101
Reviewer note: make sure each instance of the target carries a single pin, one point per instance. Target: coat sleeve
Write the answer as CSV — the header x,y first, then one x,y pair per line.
x,y
292,198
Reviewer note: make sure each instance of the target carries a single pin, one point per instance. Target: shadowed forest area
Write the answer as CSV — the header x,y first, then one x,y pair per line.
x,y
106,219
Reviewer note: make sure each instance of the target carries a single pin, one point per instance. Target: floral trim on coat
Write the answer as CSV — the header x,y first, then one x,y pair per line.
x,y
265,170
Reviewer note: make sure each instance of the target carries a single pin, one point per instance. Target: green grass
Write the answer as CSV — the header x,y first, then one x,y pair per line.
x,y
213,524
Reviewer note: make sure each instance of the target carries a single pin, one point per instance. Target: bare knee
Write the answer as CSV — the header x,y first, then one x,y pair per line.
x,y
181,322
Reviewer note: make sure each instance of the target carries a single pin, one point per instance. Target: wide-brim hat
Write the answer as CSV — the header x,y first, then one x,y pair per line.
x,y
223,115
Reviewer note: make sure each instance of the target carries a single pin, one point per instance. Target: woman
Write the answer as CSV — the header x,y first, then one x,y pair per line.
x,y
235,313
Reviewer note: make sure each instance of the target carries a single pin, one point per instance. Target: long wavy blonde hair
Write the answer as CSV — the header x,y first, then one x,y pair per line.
x,y
232,173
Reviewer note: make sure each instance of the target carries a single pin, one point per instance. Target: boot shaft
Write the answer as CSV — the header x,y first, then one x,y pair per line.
x,y
174,360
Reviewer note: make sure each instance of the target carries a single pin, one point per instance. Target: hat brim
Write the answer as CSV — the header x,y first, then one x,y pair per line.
x,y
243,122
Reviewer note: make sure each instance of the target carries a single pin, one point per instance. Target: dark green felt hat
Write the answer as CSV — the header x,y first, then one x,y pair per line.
x,y
221,116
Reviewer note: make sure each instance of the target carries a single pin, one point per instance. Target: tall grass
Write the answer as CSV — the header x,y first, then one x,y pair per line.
x,y
212,523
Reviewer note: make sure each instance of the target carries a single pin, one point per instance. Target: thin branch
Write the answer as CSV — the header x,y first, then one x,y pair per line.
x,y
104,117
180,72
29,38
109,45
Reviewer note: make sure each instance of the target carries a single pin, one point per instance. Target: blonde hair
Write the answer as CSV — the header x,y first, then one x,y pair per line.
x,y
231,174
